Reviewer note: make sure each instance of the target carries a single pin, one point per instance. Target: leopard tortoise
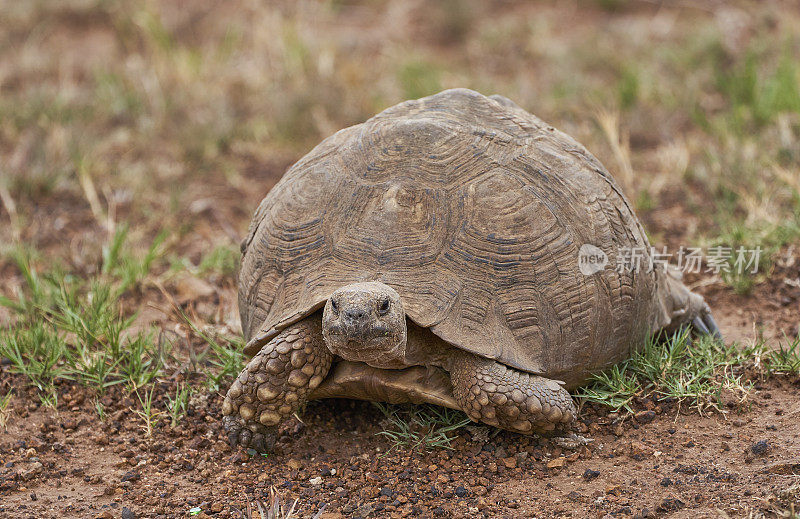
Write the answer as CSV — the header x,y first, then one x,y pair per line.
x,y
432,254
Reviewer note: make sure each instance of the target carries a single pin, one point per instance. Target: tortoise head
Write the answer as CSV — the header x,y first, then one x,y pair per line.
x,y
365,322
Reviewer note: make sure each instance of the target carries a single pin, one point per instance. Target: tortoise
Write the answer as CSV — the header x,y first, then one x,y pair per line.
x,y
432,254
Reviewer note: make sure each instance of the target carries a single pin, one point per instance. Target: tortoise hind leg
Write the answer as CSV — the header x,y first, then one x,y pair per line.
x,y
498,395
275,384
681,307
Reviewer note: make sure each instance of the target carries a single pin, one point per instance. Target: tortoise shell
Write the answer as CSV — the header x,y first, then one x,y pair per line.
x,y
474,211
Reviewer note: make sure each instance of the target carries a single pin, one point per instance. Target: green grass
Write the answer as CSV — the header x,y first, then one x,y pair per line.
x,y
782,361
221,361
692,371
147,412
419,79
769,237
750,150
100,409
420,426
71,328
177,406
222,260
759,93
67,327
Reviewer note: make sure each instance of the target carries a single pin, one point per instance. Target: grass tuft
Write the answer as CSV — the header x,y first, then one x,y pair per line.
x,y
420,426
222,260
71,328
178,405
783,361
149,415
695,371
223,358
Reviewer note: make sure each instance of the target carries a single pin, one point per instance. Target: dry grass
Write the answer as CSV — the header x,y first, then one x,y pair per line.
x,y
125,104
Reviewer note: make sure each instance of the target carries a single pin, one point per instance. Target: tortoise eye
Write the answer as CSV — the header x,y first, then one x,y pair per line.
x,y
383,306
334,306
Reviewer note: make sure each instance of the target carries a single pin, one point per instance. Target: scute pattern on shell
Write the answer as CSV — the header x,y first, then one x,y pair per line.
x,y
474,211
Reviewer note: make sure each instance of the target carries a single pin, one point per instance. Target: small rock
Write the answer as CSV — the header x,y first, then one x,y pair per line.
x,y
590,474
670,504
510,462
638,450
316,481
556,463
131,476
666,482
365,509
461,491
760,448
34,470
190,288
127,513
105,514
294,464
644,417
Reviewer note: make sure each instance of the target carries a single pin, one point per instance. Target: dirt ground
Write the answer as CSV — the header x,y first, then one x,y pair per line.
x,y
664,460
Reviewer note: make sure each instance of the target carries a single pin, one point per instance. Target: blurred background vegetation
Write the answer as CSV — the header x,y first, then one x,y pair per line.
x,y
155,112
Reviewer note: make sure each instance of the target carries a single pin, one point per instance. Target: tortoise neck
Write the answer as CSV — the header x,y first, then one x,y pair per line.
x,y
423,347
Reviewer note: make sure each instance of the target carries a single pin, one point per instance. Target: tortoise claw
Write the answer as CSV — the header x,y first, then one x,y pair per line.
x,y
261,440
705,324
711,324
700,326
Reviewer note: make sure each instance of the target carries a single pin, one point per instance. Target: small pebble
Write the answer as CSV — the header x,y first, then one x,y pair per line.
x,y
645,417
760,448
590,474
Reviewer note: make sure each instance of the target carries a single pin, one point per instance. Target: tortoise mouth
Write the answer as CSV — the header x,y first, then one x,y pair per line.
x,y
375,346
359,334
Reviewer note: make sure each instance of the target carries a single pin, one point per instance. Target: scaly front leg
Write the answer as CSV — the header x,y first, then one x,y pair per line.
x,y
498,395
275,384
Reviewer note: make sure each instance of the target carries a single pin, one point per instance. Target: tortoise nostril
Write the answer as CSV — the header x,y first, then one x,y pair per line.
x,y
354,314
